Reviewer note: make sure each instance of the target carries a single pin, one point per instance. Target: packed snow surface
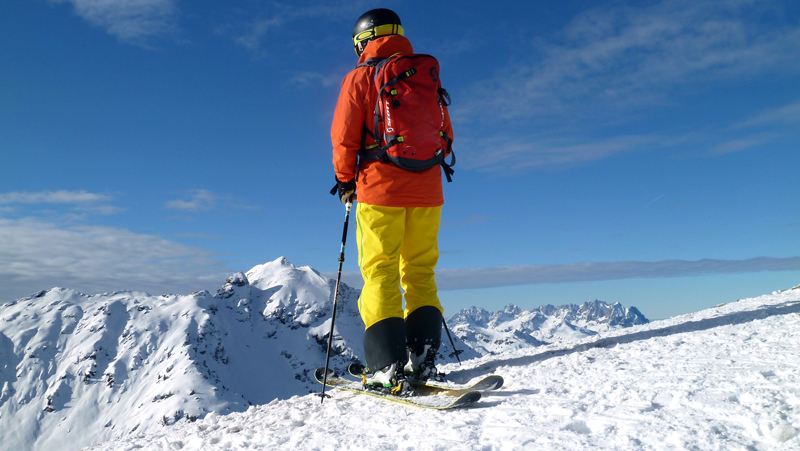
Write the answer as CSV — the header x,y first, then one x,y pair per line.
x,y
726,378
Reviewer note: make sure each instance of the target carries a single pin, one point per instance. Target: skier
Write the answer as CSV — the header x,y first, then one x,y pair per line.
x,y
398,216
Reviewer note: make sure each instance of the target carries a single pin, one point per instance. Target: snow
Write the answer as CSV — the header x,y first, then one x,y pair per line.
x,y
77,369
230,371
723,378
514,328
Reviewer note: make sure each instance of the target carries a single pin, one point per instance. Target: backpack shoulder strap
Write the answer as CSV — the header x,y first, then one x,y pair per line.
x,y
371,62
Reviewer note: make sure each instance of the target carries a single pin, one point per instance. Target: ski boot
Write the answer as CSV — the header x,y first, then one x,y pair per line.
x,y
390,379
421,365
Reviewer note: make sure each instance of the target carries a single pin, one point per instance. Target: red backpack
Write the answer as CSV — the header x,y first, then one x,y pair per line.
x,y
409,114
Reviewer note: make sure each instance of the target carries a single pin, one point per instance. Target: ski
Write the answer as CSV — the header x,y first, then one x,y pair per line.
x,y
436,401
481,383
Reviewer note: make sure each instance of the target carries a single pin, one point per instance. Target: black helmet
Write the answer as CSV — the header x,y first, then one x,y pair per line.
x,y
373,24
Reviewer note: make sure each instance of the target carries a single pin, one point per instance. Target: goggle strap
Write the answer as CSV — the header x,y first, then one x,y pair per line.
x,y
380,30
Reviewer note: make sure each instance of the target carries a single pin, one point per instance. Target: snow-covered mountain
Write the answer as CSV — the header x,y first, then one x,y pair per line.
x,y
514,328
77,369
724,378
127,370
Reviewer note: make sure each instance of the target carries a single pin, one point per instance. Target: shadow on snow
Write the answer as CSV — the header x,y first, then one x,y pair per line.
x,y
689,326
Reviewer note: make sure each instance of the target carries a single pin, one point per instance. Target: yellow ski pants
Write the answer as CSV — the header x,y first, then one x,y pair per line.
x,y
397,247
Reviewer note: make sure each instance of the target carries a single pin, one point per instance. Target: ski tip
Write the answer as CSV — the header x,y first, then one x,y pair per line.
x,y
496,382
491,382
466,399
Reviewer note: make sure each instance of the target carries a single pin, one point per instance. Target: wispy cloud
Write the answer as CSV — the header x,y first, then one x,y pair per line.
x,y
308,78
784,115
613,58
654,200
515,153
501,276
288,22
201,200
83,202
52,197
132,21
570,95
255,31
37,255
204,236
739,144
760,129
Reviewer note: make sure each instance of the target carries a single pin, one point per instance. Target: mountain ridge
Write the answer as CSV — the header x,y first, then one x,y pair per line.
x,y
514,328
720,378
77,369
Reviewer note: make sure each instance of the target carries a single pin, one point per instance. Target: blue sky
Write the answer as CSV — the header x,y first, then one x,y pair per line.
x,y
641,152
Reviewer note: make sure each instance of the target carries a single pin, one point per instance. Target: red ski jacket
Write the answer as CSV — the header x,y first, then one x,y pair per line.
x,y
379,183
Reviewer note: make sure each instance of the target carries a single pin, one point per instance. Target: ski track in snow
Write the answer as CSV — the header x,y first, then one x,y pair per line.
x,y
727,378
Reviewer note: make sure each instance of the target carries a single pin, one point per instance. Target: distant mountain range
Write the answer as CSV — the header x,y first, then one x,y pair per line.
x,y
77,369
514,328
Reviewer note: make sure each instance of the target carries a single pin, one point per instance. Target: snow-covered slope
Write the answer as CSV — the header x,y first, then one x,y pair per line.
x,y
77,370
514,328
724,378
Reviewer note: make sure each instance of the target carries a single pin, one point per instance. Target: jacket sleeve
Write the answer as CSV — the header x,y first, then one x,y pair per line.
x,y
348,124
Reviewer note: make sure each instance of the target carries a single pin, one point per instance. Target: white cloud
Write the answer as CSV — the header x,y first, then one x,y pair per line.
x,y
315,78
760,129
451,279
737,145
519,153
471,278
36,255
202,200
276,20
52,197
784,115
614,58
81,202
566,99
132,21
255,32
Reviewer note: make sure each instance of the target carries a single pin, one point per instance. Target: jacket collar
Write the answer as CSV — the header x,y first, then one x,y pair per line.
x,y
385,47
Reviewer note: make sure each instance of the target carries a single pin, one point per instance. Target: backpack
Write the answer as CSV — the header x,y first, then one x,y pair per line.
x,y
409,114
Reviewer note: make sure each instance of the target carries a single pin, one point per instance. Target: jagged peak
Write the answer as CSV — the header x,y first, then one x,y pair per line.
x,y
269,269
239,279
477,315
47,295
280,271
512,309
598,304
473,310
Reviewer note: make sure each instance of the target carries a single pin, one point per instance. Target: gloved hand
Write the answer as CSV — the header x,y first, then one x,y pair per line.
x,y
347,190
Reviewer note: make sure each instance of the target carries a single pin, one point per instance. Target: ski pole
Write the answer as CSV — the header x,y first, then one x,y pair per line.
x,y
335,299
456,352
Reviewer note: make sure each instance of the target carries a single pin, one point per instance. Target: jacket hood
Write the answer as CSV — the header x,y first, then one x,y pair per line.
x,y
385,47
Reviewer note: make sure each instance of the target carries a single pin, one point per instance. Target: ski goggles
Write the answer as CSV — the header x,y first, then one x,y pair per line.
x,y
361,39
